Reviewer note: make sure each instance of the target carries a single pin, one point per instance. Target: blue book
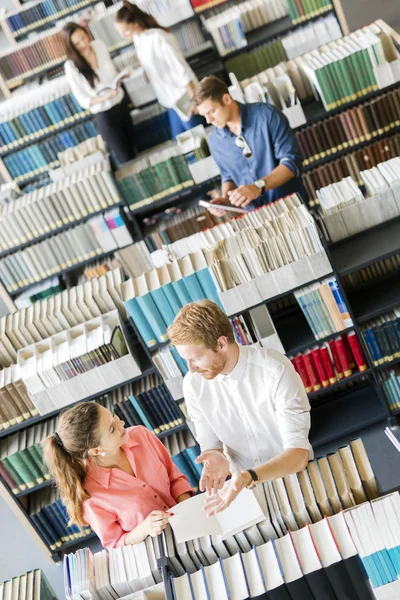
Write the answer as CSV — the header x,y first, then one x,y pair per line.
x,y
183,466
194,288
182,364
141,413
145,330
172,297
192,452
153,316
181,291
161,301
337,294
208,286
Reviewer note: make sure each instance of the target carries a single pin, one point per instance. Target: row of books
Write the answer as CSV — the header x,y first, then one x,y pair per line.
x,y
390,385
229,27
375,274
250,63
382,337
301,10
31,57
324,308
350,165
153,299
264,241
170,364
99,235
146,180
323,366
189,35
29,586
18,127
201,5
311,36
76,196
166,12
349,128
29,18
152,127
15,403
39,158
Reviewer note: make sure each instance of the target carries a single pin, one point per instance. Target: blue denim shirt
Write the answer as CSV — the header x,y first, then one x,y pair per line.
x,y
272,141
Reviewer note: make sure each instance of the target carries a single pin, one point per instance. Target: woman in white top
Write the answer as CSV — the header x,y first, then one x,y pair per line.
x,y
164,64
89,67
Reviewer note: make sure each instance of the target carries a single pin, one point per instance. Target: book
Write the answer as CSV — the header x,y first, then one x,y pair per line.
x,y
114,83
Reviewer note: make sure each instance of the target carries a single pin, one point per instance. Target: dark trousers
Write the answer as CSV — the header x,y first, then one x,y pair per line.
x,y
116,128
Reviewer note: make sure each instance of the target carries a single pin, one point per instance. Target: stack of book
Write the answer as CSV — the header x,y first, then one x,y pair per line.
x,y
29,18
147,180
39,158
152,127
38,213
345,211
49,515
351,165
101,25
168,12
154,299
61,252
323,366
382,337
301,10
311,36
324,308
350,128
15,404
30,586
189,35
390,384
169,363
118,573
253,62
45,51
77,363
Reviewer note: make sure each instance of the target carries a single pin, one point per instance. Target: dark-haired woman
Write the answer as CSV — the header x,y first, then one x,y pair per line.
x,y
88,68
167,70
122,482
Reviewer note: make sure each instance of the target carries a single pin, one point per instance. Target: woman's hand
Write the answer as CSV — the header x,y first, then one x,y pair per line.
x,y
109,95
155,522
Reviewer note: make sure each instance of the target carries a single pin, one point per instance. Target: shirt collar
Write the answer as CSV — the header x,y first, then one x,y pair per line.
x,y
243,120
239,369
102,474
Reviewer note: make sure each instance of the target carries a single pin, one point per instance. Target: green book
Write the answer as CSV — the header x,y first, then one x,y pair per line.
x,y
22,469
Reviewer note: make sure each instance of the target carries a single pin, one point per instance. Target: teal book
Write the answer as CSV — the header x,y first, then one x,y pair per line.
x,y
172,297
194,288
136,313
182,365
208,286
192,453
140,412
181,291
161,301
153,316
184,467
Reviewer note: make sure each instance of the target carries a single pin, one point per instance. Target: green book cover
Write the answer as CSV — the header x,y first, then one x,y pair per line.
x,y
38,459
17,478
31,465
20,467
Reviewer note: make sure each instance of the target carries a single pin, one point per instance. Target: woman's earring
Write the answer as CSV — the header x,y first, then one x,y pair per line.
x,y
102,453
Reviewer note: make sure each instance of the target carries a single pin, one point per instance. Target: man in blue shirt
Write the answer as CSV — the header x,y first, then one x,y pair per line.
x,y
253,145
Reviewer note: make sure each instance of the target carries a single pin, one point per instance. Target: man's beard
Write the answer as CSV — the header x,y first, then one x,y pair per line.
x,y
215,369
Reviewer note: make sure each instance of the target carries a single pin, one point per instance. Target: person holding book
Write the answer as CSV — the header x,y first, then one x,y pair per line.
x,y
121,482
92,76
164,64
253,145
248,405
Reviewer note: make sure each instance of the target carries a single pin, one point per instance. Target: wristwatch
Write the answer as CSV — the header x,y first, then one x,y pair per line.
x,y
260,183
254,479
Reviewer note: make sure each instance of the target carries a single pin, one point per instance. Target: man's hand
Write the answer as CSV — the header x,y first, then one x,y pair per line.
x,y
220,501
243,195
215,470
218,212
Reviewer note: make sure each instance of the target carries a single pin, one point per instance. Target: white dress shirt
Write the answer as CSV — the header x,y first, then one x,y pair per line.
x,y
165,66
255,413
105,72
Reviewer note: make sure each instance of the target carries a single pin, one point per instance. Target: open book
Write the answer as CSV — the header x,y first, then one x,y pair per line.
x,y
114,84
182,107
190,521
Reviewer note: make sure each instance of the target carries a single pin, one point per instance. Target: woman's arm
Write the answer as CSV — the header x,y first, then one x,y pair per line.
x,y
152,525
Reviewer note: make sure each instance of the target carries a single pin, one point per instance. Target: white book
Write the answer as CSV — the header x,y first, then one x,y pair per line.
x,y
216,584
236,577
254,574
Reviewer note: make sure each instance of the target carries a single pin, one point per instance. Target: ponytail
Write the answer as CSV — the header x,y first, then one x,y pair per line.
x,y
65,453
133,15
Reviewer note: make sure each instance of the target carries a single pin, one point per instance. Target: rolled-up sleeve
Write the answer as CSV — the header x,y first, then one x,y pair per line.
x,y
181,73
205,435
104,524
286,149
178,482
292,409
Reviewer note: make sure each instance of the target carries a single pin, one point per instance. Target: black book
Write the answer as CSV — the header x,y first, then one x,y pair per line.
x,y
166,401
148,404
133,416
152,416
160,406
342,582
320,585
299,590
358,575
278,593
125,414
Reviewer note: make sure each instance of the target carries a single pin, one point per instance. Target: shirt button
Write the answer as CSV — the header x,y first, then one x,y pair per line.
x,y
155,496
164,507
144,485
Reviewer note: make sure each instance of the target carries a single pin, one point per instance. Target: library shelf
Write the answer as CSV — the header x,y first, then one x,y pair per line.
x,y
208,5
158,346
351,148
64,227
31,76
37,26
34,489
73,543
388,364
357,252
349,413
54,413
168,432
376,299
355,377
282,295
182,195
60,128
296,335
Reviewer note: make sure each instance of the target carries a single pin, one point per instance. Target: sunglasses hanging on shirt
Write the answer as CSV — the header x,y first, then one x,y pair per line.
x,y
240,141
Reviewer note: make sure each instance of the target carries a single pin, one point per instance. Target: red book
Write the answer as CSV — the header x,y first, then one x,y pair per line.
x,y
320,366
357,351
343,358
311,371
336,361
349,352
298,363
326,359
